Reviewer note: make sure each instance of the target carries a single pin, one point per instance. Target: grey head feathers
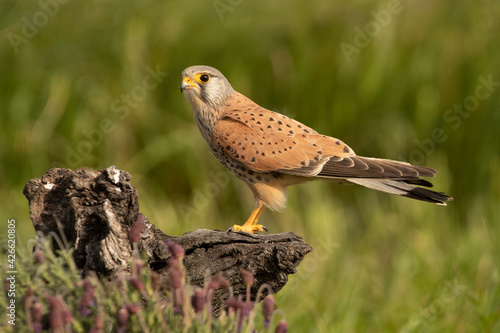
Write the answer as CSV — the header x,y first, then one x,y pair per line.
x,y
215,91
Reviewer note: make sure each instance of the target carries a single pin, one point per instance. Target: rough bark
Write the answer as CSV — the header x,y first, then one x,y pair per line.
x,y
93,212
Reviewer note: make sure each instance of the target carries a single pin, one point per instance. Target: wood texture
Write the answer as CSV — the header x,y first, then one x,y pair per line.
x,y
93,212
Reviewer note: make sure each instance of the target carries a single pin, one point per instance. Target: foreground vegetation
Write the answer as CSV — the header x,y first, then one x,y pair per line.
x,y
401,80
52,296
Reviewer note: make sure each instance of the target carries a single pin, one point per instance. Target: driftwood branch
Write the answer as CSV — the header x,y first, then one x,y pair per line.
x,y
93,212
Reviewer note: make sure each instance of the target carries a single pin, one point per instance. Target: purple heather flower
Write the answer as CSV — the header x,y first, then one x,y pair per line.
x,y
176,274
198,300
39,257
176,250
134,234
87,299
233,302
218,281
137,283
237,304
98,326
36,316
133,308
213,284
68,316
178,295
248,278
122,317
282,327
246,308
56,313
267,309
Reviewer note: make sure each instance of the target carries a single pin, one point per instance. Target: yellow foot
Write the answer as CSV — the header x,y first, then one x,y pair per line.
x,y
250,229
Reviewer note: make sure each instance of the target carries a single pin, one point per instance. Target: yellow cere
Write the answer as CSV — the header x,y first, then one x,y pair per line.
x,y
188,81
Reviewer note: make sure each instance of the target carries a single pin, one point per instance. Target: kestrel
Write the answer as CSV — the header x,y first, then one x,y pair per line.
x,y
270,151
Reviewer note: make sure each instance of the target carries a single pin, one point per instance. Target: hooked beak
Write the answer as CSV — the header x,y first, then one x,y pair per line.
x,y
186,84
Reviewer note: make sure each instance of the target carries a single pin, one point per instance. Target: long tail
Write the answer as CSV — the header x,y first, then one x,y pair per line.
x,y
403,188
389,176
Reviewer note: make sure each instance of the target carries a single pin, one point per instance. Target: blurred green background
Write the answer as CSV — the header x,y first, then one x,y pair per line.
x,y
384,76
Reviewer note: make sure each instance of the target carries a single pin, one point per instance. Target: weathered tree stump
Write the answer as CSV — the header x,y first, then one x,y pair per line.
x,y
93,212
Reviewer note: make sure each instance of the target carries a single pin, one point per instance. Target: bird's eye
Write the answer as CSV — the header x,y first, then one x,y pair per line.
x,y
203,78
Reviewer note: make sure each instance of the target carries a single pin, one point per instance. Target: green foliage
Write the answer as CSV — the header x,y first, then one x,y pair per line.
x,y
51,296
380,263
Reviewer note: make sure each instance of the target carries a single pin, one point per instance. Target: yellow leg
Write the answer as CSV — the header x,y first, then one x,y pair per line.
x,y
251,225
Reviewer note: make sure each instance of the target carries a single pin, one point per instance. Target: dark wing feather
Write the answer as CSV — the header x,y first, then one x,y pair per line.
x,y
405,189
365,167
387,176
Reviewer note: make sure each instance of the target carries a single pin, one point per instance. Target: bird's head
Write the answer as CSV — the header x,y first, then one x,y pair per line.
x,y
205,86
